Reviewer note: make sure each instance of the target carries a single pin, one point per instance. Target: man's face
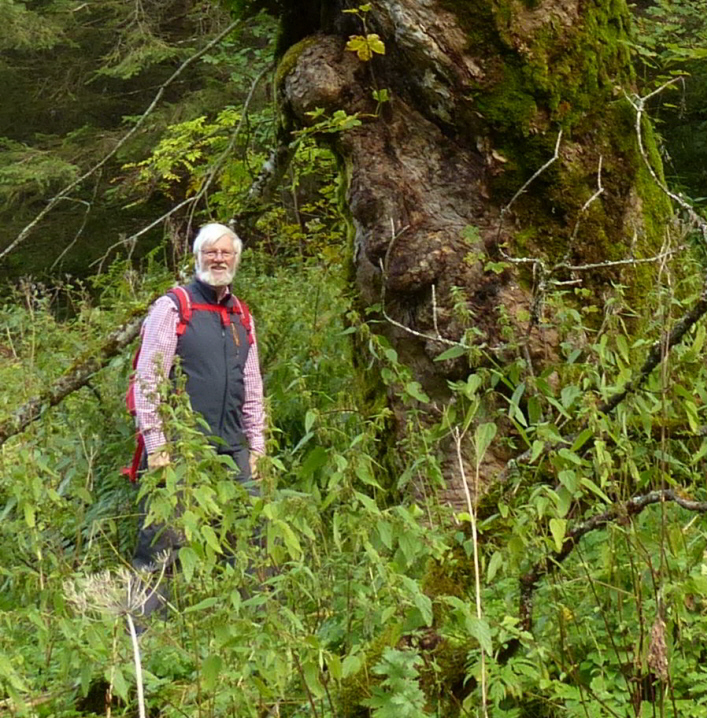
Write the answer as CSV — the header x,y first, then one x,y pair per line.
x,y
216,264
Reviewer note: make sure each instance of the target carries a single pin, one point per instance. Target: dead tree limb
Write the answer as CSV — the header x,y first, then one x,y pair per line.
x,y
529,580
73,379
655,355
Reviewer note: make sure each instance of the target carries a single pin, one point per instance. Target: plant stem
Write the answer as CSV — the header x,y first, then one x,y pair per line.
x,y
138,666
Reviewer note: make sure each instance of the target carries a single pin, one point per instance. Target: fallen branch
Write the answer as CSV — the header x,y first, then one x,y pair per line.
x,y
658,350
73,379
548,564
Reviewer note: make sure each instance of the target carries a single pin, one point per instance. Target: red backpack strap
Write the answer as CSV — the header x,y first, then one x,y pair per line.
x,y
184,306
242,309
133,470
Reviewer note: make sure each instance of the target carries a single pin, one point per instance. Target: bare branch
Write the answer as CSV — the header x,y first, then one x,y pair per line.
x,y
639,105
73,379
550,563
659,350
536,174
621,262
22,236
585,207
86,213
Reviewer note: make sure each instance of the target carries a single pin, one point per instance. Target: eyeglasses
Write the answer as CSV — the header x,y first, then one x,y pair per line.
x,y
213,253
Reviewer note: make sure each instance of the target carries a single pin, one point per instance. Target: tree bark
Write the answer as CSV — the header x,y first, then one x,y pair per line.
x,y
479,92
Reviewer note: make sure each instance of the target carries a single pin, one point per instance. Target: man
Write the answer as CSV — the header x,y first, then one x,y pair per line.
x,y
219,356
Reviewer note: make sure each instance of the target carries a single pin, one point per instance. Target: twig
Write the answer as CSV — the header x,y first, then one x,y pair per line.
x,y
528,182
69,188
81,228
639,105
585,207
621,262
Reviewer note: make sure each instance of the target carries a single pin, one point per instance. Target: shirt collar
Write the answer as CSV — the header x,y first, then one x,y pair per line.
x,y
210,292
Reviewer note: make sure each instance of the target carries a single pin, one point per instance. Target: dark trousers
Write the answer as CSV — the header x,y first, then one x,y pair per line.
x,y
158,544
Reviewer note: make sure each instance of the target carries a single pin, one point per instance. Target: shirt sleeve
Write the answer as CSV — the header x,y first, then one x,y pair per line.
x,y
253,406
159,344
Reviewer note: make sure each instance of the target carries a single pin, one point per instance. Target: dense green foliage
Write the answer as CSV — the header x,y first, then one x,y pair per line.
x,y
366,595
372,600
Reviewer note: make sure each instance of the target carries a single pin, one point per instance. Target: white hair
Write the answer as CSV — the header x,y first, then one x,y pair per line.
x,y
211,233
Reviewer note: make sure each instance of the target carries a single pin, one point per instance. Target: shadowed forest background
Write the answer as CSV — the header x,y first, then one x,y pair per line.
x,y
475,252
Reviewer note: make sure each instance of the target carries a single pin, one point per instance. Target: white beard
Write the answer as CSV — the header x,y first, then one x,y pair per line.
x,y
207,277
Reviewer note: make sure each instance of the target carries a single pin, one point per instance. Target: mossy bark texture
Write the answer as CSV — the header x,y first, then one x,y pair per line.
x,y
479,90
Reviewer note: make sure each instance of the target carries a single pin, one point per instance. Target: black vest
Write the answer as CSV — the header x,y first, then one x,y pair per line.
x,y
213,358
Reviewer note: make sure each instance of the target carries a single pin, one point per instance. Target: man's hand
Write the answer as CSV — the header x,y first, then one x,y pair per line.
x,y
253,459
157,460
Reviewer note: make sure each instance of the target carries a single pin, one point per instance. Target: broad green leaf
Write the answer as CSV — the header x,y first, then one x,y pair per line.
x,y
334,666
570,456
210,669
594,488
514,411
414,389
189,561
494,564
483,436
568,479
700,452
351,665
569,394
291,540
692,416
622,346
315,459
29,515
479,629
363,471
564,501
209,602
538,447
120,685
309,419
557,529
385,531
582,439
211,539
451,353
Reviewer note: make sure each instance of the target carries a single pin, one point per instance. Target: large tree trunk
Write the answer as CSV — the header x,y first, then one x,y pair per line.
x,y
479,93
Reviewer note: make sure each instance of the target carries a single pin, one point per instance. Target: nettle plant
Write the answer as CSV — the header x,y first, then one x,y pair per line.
x,y
592,547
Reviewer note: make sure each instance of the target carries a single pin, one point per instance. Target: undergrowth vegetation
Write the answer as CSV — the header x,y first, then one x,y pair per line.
x,y
358,599
574,585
